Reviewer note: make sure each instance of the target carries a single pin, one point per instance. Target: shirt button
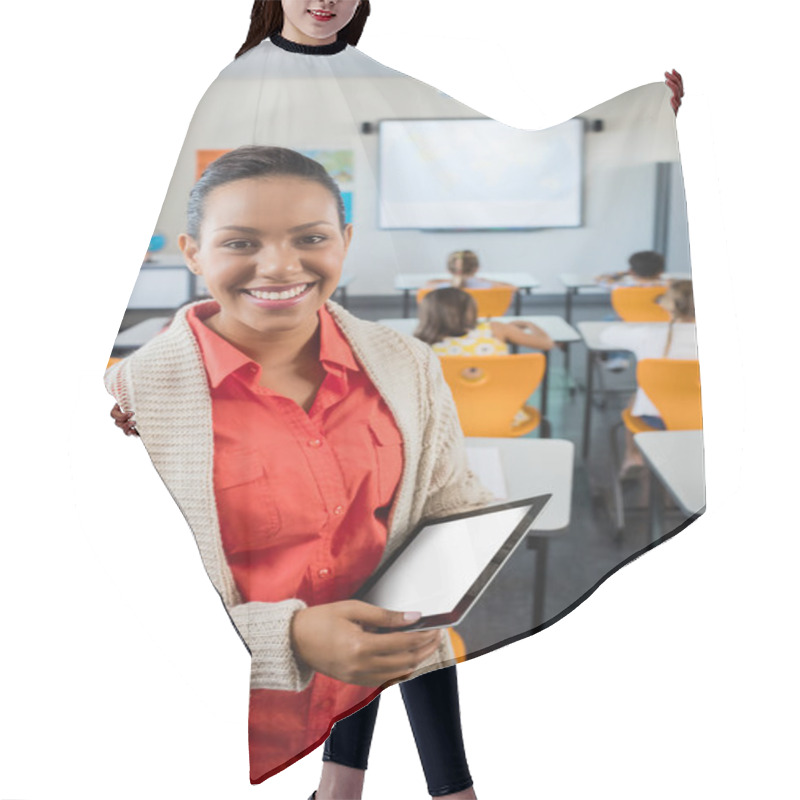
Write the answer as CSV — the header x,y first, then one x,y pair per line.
x,y
339,510
324,573
315,443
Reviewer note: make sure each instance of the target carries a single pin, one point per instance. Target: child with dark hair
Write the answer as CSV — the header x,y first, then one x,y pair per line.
x,y
646,269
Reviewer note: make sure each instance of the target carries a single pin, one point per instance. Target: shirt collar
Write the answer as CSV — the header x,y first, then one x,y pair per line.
x,y
222,359
334,349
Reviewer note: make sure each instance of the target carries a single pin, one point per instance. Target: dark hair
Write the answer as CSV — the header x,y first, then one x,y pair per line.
x,y
647,264
256,161
266,19
446,312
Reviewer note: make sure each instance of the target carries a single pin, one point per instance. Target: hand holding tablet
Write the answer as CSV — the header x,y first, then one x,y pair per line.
x,y
446,564
339,640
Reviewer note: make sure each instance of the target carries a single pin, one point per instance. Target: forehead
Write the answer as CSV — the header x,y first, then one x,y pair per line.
x,y
280,197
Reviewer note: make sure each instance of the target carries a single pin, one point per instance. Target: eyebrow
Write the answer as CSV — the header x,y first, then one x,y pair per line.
x,y
256,231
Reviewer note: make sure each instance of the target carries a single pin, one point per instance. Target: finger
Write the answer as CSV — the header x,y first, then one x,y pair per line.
x,y
377,617
390,644
391,667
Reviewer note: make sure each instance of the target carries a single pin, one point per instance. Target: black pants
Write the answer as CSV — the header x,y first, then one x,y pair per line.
x,y
431,702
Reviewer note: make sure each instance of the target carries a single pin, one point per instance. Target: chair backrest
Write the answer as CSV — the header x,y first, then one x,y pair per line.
x,y
489,391
492,302
638,303
674,387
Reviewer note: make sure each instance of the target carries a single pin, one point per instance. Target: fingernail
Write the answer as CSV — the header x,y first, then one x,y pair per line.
x,y
411,616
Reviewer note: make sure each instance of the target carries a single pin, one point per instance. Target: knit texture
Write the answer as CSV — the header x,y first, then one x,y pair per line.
x,y
164,383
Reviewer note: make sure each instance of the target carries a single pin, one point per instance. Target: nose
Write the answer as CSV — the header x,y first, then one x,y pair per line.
x,y
278,263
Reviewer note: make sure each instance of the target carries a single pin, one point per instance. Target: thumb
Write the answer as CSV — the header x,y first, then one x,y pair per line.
x,y
384,618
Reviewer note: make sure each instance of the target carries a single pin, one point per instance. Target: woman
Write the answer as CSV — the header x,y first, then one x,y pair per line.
x,y
270,391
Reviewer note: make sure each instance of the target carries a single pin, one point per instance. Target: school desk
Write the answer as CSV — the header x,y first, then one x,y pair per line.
x,y
555,327
532,467
676,459
591,333
407,282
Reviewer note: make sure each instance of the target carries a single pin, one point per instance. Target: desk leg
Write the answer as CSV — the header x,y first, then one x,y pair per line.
x,y
656,508
587,414
406,303
544,382
518,302
568,318
540,545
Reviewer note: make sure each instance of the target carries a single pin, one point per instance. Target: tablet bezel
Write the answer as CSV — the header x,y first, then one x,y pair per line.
x,y
484,578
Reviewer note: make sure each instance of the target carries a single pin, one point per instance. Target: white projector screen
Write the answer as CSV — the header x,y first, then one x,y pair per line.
x,y
478,174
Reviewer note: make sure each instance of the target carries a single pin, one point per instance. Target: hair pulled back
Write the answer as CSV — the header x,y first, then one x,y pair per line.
x,y
266,19
682,296
256,161
462,264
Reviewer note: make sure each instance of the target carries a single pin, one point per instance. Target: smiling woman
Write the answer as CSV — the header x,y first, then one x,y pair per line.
x,y
301,444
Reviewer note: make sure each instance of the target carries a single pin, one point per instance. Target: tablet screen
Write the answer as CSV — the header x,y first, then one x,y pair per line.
x,y
444,560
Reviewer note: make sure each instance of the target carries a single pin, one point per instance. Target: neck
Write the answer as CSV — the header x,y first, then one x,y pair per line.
x,y
293,34
274,348
317,48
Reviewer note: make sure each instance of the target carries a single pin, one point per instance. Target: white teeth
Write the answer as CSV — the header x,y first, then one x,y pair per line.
x,y
285,295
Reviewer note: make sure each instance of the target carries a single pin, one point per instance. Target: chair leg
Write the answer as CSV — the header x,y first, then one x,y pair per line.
x,y
616,483
545,429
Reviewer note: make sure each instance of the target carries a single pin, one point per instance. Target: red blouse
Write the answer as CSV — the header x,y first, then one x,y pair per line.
x,y
303,501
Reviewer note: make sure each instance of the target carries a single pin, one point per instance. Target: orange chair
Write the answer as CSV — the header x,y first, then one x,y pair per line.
x,y
112,361
674,387
492,302
638,303
459,648
491,391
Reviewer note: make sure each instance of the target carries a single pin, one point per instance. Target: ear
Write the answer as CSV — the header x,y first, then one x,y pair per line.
x,y
189,248
347,235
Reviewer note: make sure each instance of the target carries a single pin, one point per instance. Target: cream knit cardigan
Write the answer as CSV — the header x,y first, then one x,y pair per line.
x,y
165,384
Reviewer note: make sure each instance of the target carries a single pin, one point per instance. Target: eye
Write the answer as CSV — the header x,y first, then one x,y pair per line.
x,y
312,239
238,244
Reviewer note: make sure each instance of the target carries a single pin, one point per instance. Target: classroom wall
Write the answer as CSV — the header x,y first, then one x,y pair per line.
x,y
619,188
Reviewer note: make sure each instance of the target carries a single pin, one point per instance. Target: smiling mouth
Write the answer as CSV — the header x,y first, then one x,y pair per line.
x,y
323,16
287,293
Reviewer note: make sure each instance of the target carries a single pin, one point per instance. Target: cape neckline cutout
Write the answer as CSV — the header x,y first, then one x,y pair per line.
x,y
308,49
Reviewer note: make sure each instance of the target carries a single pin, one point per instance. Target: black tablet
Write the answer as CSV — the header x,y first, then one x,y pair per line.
x,y
446,564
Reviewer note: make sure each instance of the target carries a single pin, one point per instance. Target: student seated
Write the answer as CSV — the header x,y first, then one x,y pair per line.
x,y
646,269
463,265
647,340
448,321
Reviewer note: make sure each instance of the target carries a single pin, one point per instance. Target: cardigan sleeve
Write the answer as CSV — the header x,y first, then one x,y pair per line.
x,y
178,451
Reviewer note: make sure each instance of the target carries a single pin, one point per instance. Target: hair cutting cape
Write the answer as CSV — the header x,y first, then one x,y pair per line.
x,y
421,176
